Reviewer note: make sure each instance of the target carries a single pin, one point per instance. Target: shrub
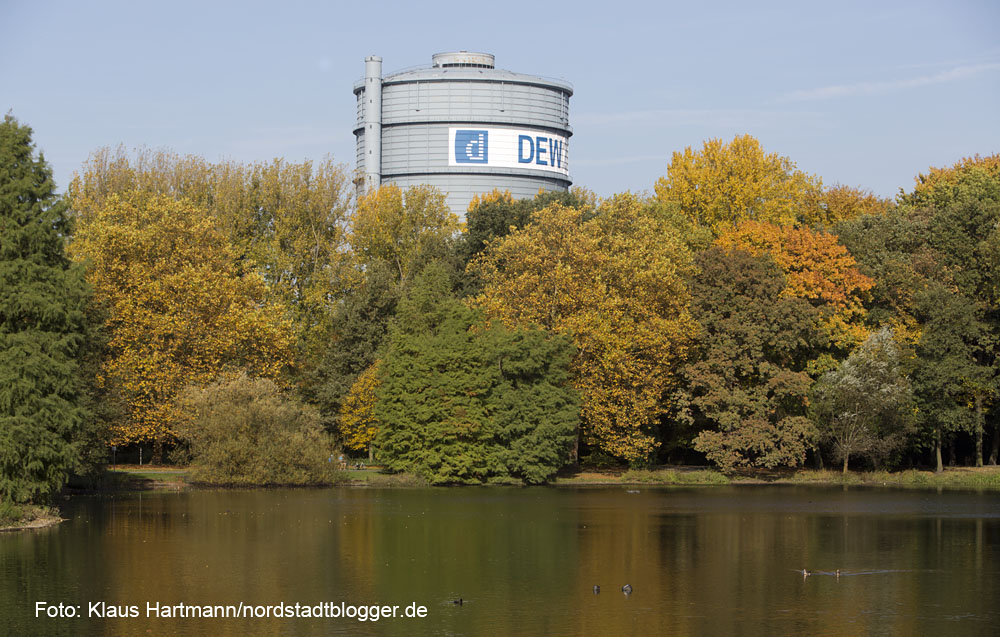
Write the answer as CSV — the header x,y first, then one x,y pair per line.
x,y
245,431
670,476
10,513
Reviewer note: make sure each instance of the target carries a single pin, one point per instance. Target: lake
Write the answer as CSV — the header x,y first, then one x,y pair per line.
x,y
700,561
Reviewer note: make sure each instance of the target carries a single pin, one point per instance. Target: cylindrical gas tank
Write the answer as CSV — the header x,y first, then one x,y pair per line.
x,y
464,127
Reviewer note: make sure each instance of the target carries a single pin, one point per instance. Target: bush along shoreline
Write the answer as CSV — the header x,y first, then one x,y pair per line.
x,y
27,516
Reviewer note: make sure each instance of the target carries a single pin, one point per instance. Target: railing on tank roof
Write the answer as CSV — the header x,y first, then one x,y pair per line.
x,y
429,67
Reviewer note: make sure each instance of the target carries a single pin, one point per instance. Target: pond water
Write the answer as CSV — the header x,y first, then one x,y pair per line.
x,y
701,561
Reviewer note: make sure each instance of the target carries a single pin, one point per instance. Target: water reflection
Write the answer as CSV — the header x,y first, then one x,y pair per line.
x,y
523,561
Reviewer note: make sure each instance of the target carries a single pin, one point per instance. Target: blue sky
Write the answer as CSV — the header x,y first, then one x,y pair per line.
x,y
862,93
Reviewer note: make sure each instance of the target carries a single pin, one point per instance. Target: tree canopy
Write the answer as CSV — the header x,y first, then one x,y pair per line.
x,y
614,283
180,310
463,402
863,408
818,269
746,386
723,185
704,322
285,221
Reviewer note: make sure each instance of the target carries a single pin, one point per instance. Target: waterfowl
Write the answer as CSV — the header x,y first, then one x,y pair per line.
x,y
627,589
597,589
457,602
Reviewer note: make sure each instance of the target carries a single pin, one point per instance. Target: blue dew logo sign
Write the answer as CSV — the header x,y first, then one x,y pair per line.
x,y
508,148
472,146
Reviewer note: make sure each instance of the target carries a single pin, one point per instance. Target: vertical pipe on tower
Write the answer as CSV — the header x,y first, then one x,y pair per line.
x,y
373,122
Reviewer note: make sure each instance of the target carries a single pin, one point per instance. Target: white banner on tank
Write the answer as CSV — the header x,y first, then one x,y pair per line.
x,y
508,148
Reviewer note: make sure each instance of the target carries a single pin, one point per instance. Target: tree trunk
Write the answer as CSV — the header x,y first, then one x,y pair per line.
x,y
157,451
979,430
937,451
845,463
574,452
371,453
818,458
995,450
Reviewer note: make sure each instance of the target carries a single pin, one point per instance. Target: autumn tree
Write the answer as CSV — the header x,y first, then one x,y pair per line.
x,y
402,228
180,310
42,327
863,407
357,422
843,203
284,220
818,269
614,283
723,185
464,402
745,386
496,214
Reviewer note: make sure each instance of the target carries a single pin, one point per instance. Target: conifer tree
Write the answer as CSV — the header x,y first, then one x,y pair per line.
x,y
42,326
463,402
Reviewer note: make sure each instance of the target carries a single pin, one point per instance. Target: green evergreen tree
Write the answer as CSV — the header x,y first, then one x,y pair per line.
x,y
465,403
534,409
42,326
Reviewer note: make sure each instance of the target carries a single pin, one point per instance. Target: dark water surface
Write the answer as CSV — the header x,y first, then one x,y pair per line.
x,y
701,561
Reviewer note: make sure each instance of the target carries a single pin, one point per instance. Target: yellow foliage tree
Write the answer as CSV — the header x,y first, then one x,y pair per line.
x,y
842,203
358,424
818,269
399,227
724,184
179,311
495,196
614,284
285,220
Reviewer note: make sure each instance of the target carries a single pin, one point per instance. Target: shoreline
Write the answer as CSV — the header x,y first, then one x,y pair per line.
x,y
976,478
152,478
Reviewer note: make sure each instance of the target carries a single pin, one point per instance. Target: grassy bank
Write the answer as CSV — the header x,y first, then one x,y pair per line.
x,y
680,476
953,478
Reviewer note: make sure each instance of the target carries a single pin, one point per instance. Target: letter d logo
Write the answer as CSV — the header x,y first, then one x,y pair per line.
x,y
472,146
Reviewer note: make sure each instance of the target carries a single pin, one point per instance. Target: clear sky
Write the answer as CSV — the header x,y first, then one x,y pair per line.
x,y
862,93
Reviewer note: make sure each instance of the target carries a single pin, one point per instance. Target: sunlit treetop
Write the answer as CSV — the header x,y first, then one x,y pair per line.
x,y
724,184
